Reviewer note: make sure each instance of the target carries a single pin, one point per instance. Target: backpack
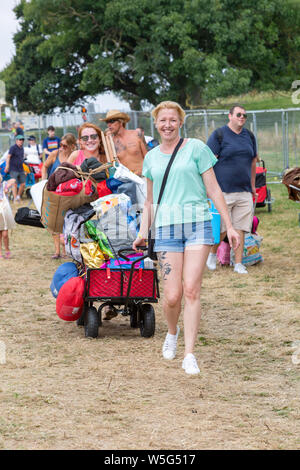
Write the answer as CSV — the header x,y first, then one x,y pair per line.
x,y
26,216
63,273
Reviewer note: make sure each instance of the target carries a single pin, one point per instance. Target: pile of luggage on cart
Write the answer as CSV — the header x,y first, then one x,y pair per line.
x,y
97,207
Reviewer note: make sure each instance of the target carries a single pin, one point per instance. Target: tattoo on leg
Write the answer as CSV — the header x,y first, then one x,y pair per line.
x,y
165,267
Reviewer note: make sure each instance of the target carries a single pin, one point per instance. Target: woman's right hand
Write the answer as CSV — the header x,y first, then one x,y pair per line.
x,y
138,242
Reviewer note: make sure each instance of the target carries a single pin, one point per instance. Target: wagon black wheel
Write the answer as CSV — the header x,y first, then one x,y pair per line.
x,y
269,200
133,316
147,320
91,322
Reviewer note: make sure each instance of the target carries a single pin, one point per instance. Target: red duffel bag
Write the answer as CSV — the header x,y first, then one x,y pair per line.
x,y
69,302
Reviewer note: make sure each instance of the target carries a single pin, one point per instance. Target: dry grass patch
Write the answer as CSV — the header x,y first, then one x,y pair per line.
x,y
59,390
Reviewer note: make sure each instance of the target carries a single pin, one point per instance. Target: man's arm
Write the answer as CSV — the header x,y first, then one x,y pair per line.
x,y
143,147
253,175
142,137
214,143
7,163
45,147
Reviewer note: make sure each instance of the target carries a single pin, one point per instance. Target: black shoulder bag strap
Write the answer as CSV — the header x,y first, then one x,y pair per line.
x,y
151,253
163,184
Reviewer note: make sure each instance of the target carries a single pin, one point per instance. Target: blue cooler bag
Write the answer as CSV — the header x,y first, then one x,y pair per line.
x,y
216,221
63,273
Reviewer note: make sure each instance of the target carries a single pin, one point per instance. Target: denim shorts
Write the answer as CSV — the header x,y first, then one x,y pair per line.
x,y
19,176
177,237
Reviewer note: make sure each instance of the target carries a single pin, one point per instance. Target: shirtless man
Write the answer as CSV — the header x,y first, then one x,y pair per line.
x,y
129,144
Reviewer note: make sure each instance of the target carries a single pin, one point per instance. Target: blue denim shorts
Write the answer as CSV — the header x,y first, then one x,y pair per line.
x,y
19,176
177,237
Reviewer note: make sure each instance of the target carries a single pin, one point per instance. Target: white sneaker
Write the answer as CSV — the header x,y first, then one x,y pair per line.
x,y
211,262
240,268
189,364
170,345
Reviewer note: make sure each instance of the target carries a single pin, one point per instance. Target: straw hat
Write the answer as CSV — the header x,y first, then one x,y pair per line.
x,y
115,114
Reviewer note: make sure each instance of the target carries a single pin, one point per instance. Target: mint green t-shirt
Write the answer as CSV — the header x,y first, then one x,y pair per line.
x,y
184,199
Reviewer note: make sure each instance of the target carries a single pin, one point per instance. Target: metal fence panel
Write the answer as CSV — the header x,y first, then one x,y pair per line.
x,y
276,134
277,131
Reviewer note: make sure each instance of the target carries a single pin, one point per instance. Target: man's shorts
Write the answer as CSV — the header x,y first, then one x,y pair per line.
x,y
19,176
240,208
177,237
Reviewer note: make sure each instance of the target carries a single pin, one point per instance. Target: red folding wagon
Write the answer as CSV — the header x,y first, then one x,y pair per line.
x,y
263,193
125,291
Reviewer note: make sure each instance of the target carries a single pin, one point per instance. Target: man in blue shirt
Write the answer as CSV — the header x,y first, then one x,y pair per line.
x,y
235,148
14,165
50,143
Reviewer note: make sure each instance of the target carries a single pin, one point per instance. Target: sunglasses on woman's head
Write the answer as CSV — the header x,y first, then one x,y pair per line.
x,y
85,138
241,115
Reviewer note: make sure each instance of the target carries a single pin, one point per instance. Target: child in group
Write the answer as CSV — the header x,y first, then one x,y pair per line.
x,y
6,220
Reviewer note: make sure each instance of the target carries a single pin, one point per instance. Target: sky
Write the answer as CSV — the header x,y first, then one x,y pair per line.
x,y
9,25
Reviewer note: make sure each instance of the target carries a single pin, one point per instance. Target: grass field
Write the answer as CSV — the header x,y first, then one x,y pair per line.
x,y
255,100
59,390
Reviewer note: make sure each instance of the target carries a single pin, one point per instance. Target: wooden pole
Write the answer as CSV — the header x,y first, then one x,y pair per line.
x,y
105,146
113,148
110,152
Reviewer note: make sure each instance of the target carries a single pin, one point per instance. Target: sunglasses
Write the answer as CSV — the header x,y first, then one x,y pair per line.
x,y
64,146
111,121
85,138
241,115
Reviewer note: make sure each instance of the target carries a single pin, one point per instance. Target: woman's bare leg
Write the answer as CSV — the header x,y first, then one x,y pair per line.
x,y
171,274
193,268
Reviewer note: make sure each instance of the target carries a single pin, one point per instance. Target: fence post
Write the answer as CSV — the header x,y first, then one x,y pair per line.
x,y
40,134
206,125
152,125
287,139
285,144
184,125
64,124
135,120
255,130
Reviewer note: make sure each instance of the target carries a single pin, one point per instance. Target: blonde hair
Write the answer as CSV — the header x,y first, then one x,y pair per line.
x,y
168,105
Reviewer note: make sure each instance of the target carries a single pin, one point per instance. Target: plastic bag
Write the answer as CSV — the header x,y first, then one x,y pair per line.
x,y
99,237
123,174
92,255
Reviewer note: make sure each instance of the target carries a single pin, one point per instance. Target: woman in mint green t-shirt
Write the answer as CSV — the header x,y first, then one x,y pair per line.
x,y
183,234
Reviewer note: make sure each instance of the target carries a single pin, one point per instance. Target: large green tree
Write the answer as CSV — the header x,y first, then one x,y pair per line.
x,y
191,51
